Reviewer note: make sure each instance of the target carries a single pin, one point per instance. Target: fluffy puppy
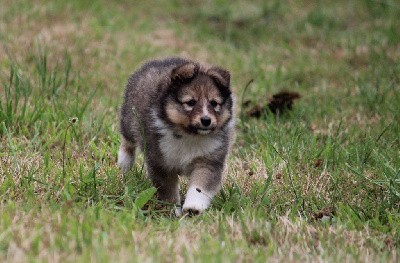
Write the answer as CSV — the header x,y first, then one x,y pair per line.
x,y
180,114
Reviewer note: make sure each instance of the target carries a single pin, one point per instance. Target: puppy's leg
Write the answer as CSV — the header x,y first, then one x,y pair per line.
x,y
167,184
204,183
126,155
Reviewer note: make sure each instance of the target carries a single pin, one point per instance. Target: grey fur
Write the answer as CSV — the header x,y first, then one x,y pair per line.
x,y
145,95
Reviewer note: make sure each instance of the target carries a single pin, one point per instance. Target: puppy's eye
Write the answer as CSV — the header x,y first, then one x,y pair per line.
x,y
214,103
190,103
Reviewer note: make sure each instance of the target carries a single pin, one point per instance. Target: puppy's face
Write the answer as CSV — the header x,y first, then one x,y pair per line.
x,y
198,102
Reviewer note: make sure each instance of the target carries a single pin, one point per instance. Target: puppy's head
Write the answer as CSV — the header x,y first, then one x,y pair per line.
x,y
198,101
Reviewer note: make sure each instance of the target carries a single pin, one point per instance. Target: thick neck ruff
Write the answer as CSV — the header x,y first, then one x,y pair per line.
x,y
180,149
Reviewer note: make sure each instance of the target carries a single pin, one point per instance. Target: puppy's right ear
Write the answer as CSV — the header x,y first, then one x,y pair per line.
x,y
184,72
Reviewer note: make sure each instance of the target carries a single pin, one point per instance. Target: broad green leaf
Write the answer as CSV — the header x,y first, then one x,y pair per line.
x,y
144,197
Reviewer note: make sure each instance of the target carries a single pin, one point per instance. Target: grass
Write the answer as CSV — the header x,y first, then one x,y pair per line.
x,y
321,183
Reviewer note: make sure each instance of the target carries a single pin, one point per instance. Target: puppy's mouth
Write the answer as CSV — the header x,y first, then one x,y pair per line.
x,y
200,130
203,130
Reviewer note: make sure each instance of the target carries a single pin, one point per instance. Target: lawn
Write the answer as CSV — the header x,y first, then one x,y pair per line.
x,y
320,182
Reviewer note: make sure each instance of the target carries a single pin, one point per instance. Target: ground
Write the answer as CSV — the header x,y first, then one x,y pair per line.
x,y
318,183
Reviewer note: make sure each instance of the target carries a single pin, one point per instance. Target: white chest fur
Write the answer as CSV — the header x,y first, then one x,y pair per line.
x,y
179,151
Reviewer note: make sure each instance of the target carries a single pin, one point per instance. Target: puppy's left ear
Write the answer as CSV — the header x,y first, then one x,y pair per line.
x,y
222,77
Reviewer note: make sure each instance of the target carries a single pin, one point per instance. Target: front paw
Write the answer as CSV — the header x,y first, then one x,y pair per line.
x,y
196,201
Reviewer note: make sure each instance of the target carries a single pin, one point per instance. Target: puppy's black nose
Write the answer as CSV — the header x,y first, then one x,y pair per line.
x,y
205,121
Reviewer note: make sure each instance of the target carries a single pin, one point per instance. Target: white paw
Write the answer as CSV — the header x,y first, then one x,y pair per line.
x,y
125,160
178,211
196,201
